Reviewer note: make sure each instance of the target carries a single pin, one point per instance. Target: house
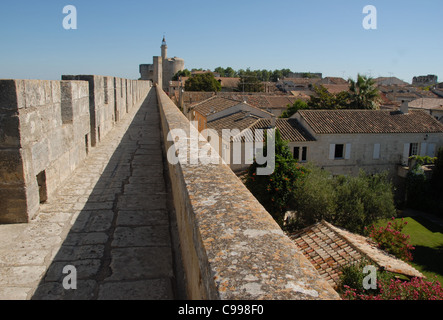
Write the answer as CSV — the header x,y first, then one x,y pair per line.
x,y
373,140
433,106
250,132
330,248
217,107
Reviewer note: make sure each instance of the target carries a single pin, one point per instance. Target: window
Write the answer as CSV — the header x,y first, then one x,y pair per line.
x,y
297,153
304,154
339,151
413,149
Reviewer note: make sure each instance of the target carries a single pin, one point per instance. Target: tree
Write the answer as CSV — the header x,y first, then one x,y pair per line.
x,y
363,94
249,82
315,199
183,73
228,72
298,105
202,82
363,200
352,203
323,99
276,191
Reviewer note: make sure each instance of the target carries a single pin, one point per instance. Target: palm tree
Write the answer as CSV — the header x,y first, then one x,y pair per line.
x,y
363,93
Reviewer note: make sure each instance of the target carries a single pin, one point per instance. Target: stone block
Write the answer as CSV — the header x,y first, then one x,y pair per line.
x,y
11,167
13,206
35,93
9,130
56,91
12,95
40,155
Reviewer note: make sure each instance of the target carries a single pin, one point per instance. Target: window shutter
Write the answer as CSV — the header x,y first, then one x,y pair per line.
x,y
406,153
423,148
431,150
332,152
376,151
348,151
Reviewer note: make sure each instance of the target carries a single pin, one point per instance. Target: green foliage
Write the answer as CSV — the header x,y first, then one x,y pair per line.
x,y
276,191
426,160
437,179
364,93
249,82
392,239
424,193
352,276
298,105
183,73
228,72
322,99
352,203
202,82
363,200
389,288
315,198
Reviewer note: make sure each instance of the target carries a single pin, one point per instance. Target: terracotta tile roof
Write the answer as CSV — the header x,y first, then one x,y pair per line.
x,y
240,120
336,88
330,248
333,81
214,105
280,102
370,121
290,130
262,101
427,103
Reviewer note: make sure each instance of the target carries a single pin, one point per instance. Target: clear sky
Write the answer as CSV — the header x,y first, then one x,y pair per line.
x,y
114,37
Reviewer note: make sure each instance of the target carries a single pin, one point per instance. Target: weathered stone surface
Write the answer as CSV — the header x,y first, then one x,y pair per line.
x,y
231,247
140,263
141,236
156,289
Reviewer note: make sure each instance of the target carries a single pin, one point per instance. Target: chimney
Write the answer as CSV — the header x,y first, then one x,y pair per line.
x,y
404,108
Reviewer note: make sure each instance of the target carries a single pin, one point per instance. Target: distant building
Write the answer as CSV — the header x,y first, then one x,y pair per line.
x,y
373,140
390,81
428,80
162,69
433,106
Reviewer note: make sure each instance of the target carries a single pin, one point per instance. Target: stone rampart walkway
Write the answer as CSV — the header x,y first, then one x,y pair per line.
x,y
110,221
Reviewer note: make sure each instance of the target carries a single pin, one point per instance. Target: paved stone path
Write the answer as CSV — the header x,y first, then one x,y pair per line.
x,y
110,221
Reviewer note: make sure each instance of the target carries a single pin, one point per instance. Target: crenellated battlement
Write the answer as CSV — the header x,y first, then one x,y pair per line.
x,y
47,129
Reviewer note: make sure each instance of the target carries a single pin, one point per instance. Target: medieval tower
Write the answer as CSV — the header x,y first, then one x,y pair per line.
x,y
162,69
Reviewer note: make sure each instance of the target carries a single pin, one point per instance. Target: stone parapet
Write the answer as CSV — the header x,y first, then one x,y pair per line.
x,y
231,246
46,131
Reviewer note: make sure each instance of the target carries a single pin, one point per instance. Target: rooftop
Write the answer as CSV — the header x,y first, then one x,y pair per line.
x,y
214,105
370,121
330,248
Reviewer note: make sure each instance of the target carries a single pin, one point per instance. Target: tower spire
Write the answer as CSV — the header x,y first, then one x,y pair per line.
x,y
164,48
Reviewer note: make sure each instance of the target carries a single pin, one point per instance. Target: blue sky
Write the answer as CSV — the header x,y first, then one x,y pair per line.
x,y
114,37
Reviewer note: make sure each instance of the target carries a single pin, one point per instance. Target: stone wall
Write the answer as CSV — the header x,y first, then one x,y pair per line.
x,y
231,246
47,129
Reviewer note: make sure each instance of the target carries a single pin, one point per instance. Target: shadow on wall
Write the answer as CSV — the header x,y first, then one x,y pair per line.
x,y
120,243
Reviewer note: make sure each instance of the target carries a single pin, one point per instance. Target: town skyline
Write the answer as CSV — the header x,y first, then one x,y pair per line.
x,y
325,37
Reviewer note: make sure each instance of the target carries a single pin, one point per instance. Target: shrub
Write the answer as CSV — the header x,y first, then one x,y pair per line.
x,y
395,289
348,202
276,191
392,240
